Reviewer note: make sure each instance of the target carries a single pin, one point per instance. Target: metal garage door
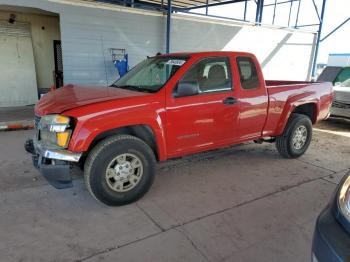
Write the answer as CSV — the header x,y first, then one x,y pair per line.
x,y
18,86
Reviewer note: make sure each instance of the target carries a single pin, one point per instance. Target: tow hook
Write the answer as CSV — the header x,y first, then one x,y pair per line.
x,y
29,146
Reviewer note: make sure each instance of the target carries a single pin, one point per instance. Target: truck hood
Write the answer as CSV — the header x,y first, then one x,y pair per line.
x,y
342,94
72,96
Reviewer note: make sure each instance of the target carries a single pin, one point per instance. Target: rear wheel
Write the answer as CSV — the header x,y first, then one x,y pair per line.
x,y
296,137
119,170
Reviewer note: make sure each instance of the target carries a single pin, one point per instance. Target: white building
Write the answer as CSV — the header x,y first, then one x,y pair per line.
x,y
86,31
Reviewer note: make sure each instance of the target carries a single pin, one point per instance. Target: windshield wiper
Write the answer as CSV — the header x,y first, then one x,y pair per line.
x,y
135,88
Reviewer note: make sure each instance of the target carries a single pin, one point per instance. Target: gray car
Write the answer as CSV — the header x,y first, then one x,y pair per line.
x,y
341,101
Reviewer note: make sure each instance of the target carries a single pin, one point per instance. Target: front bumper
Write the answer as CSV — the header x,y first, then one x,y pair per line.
x,y
57,154
331,242
53,164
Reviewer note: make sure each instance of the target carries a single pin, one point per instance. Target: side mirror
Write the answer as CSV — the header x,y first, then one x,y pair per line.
x,y
188,88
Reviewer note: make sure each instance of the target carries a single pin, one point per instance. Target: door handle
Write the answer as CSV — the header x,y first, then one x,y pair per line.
x,y
230,101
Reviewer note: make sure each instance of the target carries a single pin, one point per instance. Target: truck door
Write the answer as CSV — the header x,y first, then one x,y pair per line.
x,y
253,98
206,119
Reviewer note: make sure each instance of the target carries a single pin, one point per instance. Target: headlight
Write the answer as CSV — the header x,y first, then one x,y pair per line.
x,y
54,123
54,130
344,199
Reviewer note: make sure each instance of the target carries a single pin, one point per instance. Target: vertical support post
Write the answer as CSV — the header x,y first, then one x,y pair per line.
x,y
168,27
274,12
318,39
290,11
259,11
206,7
245,10
297,18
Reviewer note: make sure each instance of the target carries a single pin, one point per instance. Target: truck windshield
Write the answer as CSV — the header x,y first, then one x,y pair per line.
x,y
151,74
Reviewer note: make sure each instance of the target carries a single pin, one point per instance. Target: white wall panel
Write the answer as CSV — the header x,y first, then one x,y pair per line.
x,y
283,54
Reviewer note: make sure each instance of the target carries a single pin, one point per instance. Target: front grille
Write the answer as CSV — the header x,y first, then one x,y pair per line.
x,y
338,104
36,121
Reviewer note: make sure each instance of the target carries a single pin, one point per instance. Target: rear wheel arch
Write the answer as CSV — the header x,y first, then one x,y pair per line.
x,y
309,109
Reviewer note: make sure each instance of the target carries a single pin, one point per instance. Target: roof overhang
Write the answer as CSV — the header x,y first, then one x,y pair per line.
x,y
175,4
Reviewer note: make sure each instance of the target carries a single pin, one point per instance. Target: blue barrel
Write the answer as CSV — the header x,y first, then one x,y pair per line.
x,y
122,65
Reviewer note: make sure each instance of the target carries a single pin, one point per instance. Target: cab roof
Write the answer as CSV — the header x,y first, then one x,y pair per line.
x,y
207,53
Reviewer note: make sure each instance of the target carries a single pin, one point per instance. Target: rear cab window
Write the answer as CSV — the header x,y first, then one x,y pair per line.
x,y
247,72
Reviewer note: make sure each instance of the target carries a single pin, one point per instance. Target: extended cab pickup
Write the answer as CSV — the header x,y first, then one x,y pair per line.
x,y
169,106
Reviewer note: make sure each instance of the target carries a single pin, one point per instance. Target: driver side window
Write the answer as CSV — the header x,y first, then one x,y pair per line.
x,y
211,75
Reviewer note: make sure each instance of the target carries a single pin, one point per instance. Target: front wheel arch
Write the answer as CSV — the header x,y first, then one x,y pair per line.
x,y
143,132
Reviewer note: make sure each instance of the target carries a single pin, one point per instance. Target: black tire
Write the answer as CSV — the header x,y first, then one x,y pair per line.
x,y
284,143
101,156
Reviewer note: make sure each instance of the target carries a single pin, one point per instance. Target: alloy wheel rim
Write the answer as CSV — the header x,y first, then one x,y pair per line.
x,y
124,172
299,137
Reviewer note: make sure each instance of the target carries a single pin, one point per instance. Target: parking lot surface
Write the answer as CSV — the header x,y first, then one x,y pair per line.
x,y
243,203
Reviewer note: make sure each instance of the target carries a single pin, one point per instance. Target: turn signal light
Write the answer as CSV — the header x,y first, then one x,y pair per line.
x,y
63,138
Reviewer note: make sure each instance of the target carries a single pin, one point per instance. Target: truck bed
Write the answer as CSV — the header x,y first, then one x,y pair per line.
x,y
284,95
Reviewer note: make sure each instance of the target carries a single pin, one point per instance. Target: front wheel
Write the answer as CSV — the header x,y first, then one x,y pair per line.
x,y
296,137
119,170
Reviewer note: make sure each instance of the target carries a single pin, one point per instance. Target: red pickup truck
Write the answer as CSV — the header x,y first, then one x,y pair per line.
x,y
169,106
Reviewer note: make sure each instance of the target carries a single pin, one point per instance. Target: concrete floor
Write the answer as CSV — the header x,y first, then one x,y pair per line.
x,y
243,203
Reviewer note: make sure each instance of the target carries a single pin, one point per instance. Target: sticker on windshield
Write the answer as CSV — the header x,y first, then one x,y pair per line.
x,y
157,79
175,62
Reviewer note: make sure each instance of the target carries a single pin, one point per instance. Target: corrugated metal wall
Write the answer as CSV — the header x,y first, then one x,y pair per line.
x,y
87,34
87,37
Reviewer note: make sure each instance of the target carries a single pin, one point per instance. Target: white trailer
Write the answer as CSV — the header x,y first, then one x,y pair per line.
x,y
342,60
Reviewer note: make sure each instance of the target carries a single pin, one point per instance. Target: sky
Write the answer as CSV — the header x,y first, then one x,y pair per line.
x,y
336,12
